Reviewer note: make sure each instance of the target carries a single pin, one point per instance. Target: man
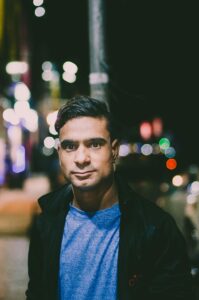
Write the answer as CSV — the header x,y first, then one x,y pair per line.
x,y
95,238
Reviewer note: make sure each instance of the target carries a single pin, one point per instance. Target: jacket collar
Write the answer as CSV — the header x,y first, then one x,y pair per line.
x,y
59,200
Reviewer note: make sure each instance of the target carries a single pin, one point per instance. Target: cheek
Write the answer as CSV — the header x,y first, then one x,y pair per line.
x,y
64,161
104,161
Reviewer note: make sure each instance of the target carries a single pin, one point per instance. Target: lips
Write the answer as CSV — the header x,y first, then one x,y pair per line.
x,y
82,174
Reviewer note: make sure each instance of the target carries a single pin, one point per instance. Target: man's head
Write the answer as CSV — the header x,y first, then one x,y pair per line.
x,y
87,149
84,106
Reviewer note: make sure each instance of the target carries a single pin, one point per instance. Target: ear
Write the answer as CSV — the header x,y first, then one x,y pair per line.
x,y
58,147
115,149
59,154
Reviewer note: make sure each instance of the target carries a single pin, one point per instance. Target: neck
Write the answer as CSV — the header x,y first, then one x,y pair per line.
x,y
97,199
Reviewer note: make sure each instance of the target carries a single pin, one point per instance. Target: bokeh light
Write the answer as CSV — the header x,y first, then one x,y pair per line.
x,y
177,180
40,11
164,143
145,130
171,164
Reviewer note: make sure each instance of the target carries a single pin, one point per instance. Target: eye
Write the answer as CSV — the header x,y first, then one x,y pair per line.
x,y
95,145
68,146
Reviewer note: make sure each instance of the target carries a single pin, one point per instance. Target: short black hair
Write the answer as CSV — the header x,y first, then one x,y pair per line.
x,y
85,106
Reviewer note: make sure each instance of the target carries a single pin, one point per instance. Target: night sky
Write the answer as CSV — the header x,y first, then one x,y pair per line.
x,y
152,55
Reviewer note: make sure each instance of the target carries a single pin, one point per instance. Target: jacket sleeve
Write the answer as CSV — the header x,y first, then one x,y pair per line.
x,y
171,272
35,262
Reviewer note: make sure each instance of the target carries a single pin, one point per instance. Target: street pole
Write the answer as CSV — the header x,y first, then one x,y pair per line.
x,y
98,77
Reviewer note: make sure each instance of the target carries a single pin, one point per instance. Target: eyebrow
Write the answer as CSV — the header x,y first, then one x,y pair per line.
x,y
99,140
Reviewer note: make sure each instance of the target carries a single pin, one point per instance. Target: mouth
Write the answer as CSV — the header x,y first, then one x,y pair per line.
x,y
82,174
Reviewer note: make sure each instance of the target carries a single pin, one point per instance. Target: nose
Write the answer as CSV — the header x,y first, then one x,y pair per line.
x,y
82,156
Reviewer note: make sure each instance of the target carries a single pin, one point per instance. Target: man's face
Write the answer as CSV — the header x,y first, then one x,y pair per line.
x,y
86,153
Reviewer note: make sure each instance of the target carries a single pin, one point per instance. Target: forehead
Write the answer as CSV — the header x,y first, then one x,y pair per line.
x,y
85,128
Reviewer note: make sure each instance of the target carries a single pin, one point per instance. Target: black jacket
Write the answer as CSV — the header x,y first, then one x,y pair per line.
x,y
152,260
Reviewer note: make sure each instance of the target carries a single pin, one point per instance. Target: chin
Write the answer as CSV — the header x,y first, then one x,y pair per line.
x,y
85,186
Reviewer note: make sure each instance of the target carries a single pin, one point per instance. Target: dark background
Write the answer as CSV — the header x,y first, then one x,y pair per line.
x,y
152,61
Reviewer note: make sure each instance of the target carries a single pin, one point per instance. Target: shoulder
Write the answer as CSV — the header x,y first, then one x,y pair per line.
x,y
55,200
155,220
136,205
150,210
153,230
143,213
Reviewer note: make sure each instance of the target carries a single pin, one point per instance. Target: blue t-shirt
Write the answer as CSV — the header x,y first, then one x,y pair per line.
x,y
89,255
